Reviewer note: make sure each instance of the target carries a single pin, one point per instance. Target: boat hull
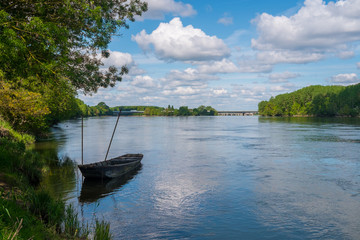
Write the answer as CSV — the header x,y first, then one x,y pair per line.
x,y
112,168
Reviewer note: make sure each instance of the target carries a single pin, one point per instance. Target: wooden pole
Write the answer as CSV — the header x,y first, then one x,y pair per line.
x,y
82,140
113,135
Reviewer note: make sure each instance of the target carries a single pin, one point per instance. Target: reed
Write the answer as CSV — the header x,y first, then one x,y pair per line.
x,y
49,210
102,230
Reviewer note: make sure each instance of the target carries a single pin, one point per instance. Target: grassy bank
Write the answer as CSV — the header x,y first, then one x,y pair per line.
x,y
28,211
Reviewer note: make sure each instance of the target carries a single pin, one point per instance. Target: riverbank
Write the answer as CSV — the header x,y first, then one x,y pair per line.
x,y
28,211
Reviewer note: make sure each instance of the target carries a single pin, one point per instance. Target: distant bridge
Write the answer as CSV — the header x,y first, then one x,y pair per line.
x,y
237,113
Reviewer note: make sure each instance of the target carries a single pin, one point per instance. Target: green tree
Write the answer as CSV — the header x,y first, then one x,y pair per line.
x,y
61,40
53,48
184,111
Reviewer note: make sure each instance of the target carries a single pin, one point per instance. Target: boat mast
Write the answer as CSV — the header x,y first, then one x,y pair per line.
x,y
82,140
112,135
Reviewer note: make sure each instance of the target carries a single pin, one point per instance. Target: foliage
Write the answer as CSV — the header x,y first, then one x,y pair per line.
x,y
6,131
103,109
55,40
49,49
315,101
204,111
169,111
25,110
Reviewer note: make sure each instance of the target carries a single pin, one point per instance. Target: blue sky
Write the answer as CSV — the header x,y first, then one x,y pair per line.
x,y
232,54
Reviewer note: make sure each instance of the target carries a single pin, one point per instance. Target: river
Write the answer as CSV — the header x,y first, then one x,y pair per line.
x,y
217,177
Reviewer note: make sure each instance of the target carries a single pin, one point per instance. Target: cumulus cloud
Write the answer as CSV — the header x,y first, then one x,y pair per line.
x,y
188,77
144,82
285,56
220,92
119,59
283,88
282,77
254,66
226,20
345,79
316,25
157,9
223,66
346,54
182,91
172,41
316,29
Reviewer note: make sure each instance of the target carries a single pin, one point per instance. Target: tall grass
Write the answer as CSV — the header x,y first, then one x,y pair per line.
x,y
102,230
49,210
72,226
17,223
28,211
15,159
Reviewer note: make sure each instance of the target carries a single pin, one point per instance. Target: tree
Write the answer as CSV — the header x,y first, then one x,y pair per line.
x,y
62,40
315,101
53,48
184,111
25,110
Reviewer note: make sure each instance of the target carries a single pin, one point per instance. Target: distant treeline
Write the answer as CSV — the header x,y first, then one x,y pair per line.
x,y
322,101
102,109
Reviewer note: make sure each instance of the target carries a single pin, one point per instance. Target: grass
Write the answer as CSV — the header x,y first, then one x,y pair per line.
x,y
27,211
25,164
102,230
18,223
72,226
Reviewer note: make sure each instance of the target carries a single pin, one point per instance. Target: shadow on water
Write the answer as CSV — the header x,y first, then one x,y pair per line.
x,y
311,120
94,189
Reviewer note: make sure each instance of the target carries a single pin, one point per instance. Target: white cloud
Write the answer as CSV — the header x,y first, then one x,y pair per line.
x,y
284,56
316,25
346,54
282,77
118,59
173,41
188,77
220,92
223,66
318,28
254,66
226,20
157,9
345,79
182,91
144,82
358,65
152,98
283,88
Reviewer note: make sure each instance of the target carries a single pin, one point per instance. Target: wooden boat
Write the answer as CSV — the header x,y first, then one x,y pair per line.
x,y
112,168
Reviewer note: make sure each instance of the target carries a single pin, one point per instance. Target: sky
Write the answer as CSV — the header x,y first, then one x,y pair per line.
x,y
232,54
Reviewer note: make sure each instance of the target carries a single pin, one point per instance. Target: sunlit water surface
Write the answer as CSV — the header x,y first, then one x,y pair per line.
x,y
218,177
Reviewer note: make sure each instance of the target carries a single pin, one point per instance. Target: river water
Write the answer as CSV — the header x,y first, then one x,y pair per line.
x,y
217,177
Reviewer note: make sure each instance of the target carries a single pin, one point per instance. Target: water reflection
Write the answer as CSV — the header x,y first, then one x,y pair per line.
x,y
223,177
94,189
